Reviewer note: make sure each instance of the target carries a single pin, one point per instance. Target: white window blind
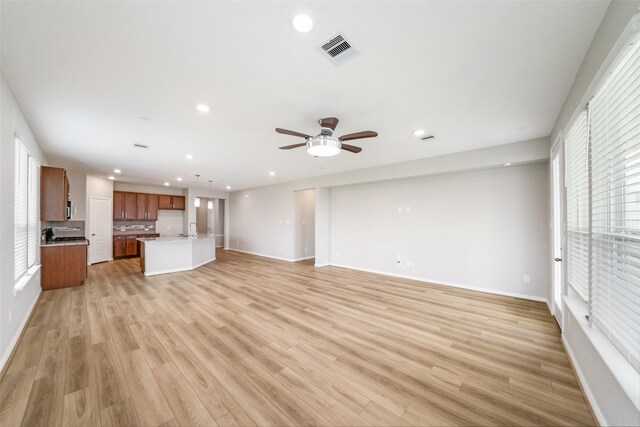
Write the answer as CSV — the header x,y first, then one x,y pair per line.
x,y
615,181
33,225
577,191
21,215
26,224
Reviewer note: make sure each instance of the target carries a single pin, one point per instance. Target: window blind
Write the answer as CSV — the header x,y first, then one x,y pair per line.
x,y
33,226
615,232
20,209
577,193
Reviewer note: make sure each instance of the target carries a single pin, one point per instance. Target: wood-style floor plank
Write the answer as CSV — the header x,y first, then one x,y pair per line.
x,y
247,341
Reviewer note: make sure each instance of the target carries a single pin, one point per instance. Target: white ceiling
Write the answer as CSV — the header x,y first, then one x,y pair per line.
x,y
475,74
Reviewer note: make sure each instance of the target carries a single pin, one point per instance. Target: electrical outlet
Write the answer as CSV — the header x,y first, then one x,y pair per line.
x,y
338,254
399,209
305,249
288,221
527,278
408,209
304,221
10,315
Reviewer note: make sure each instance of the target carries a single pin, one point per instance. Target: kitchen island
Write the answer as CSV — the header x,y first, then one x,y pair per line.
x,y
160,255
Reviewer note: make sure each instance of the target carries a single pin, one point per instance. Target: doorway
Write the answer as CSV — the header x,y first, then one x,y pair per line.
x,y
100,215
305,224
557,174
210,218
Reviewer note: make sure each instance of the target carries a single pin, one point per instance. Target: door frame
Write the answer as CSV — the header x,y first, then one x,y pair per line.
x,y
558,226
109,235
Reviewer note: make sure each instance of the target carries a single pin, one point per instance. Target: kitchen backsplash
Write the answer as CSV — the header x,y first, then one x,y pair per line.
x,y
65,228
137,226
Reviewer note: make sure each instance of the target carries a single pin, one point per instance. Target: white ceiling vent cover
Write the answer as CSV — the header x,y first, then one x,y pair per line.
x,y
338,49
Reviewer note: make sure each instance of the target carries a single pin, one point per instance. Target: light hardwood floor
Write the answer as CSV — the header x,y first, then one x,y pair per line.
x,y
252,341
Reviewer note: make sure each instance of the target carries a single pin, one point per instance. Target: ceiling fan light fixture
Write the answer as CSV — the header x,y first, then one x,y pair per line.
x,y
323,146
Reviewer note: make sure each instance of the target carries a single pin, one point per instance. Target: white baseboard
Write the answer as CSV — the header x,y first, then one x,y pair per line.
x,y
583,382
322,265
14,341
439,282
270,256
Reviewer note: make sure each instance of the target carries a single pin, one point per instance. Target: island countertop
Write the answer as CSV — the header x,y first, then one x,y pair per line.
x,y
166,239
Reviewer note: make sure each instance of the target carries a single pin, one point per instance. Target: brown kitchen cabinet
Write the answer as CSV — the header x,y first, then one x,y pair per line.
x,y
146,207
54,194
124,206
166,201
127,246
119,246
63,266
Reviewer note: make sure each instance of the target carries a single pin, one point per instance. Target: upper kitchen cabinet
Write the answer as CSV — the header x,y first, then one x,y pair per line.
x,y
147,206
171,202
54,195
124,205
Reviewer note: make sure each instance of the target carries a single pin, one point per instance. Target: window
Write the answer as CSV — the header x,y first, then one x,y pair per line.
x,y
26,226
615,231
577,177
602,152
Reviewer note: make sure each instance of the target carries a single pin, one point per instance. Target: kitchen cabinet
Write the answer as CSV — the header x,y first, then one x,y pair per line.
x,y
146,207
54,194
166,201
124,206
127,245
119,246
63,266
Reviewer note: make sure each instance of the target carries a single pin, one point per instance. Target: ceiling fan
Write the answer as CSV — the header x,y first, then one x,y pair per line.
x,y
325,144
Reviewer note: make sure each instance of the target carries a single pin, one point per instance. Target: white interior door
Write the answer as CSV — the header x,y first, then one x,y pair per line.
x,y
557,174
100,216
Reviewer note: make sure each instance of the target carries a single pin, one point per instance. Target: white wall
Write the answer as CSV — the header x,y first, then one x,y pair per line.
x,y
151,189
261,220
484,229
612,388
304,230
14,308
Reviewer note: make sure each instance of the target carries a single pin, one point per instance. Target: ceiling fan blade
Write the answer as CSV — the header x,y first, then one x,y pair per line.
x,y
359,135
289,147
292,133
351,148
329,122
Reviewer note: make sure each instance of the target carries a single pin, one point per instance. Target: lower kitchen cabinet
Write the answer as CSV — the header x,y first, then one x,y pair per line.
x,y
63,266
127,246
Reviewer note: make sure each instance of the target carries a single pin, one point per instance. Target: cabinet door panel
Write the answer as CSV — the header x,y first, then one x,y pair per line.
x,y
178,202
132,246
129,205
141,206
119,247
164,201
152,207
118,205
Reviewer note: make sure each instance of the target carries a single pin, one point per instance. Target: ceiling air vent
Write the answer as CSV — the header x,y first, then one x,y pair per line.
x,y
338,49
144,147
427,137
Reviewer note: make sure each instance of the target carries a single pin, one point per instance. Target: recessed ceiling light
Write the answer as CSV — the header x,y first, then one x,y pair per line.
x,y
111,177
272,173
117,170
178,179
507,164
188,156
167,184
203,108
302,23
228,187
419,132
